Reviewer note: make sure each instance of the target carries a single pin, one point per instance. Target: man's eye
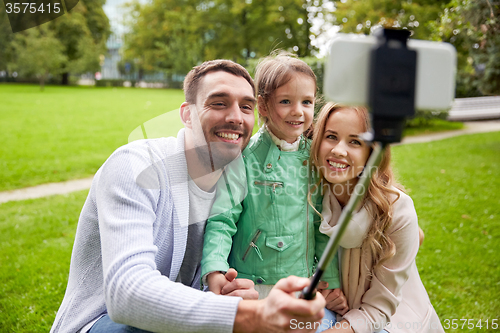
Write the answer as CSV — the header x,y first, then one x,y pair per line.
x,y
247,108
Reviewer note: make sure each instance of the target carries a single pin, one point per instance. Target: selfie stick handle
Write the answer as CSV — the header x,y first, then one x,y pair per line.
x,y
309,292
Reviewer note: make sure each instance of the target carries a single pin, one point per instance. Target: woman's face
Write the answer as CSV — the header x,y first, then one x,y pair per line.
x,y
342,154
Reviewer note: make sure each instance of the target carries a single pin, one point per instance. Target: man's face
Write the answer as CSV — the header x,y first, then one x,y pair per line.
x,y
225,107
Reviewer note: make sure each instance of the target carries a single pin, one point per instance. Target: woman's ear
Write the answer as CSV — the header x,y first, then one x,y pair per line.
x,y
261,107
185,113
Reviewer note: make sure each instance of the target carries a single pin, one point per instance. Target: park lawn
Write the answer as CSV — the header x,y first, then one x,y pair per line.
x,y
456,191
431,126
66,133
453,184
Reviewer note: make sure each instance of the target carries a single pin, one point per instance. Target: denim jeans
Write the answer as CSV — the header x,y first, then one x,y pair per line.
x,y
327,322
106,325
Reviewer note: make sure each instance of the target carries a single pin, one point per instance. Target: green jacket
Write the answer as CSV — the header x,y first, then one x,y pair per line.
x,y
273,232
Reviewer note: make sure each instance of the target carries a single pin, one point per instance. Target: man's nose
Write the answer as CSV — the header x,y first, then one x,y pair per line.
x,y
234,115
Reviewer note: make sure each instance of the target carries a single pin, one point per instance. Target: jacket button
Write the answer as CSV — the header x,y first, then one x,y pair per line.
x,y
259,281
269,165
280,244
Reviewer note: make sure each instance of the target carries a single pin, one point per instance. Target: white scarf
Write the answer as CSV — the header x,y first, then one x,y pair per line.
x,y
282,144
356,230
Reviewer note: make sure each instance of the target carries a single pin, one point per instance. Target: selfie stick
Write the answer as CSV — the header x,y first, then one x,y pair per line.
x,y
392,99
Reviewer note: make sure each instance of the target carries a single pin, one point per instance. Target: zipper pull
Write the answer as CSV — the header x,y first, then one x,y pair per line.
x,y
252,244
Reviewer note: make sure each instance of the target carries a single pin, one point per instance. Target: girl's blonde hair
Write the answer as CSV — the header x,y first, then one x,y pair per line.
x,y
275,71
380,196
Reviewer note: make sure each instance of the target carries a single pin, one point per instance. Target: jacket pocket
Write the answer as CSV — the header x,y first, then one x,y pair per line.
x,y
253,245
280,243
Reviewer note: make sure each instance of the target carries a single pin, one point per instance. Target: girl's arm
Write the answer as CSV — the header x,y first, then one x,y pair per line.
x,y
382,298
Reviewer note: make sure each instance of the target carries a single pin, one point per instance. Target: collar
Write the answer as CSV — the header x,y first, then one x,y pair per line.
x,y
282,144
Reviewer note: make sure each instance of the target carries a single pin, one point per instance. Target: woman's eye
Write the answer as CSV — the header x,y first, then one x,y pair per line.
x,y
331,137
356,142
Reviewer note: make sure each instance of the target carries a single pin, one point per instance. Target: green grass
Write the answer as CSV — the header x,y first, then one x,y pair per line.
x,y
36,239
453,183
431,126
456,191
68,132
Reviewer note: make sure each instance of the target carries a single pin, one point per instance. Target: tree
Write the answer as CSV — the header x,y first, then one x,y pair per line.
x,y
83,32
6,37
38,52
174,35
363,16
473,27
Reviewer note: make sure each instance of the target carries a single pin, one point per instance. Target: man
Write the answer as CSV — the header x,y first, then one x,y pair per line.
x,y
139,241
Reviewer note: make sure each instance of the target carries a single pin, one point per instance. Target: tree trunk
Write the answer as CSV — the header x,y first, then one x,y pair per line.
x,y
65,79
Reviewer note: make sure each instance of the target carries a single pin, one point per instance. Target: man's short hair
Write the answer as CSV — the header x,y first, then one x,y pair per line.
x,y
193,78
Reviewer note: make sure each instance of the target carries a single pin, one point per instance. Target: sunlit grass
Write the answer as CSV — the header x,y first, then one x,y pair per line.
x,y
68,132
456,191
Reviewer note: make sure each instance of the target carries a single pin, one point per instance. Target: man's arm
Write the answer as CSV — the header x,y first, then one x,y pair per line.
x,y
281,311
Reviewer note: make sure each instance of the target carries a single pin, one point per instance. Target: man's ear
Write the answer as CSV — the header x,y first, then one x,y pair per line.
x,y
261,107
185,113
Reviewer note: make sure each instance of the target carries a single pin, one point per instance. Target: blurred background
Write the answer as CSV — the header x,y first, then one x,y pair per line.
x,y
158,41
76,88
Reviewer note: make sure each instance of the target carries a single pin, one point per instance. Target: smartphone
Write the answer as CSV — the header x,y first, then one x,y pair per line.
x,y
347,71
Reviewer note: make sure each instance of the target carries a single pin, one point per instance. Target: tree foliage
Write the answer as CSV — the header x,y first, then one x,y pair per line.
x,y
39,53
473,27
363,16
82,32
174,35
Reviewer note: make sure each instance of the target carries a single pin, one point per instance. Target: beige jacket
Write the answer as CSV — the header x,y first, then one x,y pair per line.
x,y
391,296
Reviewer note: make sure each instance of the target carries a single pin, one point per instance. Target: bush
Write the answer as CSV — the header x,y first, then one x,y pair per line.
x,y
109,83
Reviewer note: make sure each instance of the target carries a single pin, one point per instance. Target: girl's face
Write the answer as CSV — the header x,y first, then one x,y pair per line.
x,y
342,154
292,108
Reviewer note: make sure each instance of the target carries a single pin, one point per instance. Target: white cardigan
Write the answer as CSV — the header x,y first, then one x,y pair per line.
x,y
137,209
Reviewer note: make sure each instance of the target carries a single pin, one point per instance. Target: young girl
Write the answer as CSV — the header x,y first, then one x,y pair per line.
x,y
379,276
273,232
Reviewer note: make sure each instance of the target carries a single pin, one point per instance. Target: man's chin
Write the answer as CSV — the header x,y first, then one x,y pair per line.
x,y
223,153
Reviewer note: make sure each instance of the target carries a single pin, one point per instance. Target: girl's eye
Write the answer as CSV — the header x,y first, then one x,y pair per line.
x,y
285,101
307,102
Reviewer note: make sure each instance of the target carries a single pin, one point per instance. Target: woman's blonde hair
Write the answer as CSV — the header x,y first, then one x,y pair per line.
x,y
381,194
275,71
